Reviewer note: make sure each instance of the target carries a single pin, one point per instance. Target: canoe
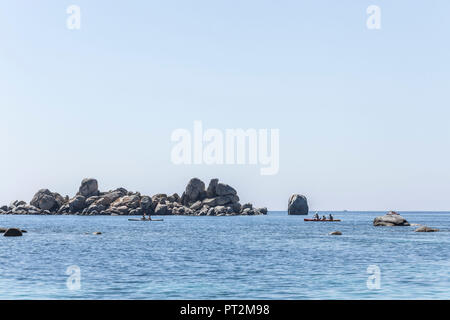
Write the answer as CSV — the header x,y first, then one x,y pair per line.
x,y
145,220
334,220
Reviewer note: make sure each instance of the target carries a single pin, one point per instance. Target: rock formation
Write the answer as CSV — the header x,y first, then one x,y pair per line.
x,y
219,199
298,205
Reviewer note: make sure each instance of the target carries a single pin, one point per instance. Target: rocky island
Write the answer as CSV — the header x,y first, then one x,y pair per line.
x,y
218,199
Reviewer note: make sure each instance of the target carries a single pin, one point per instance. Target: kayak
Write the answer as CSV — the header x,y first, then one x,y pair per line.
x,y
145,220
334,220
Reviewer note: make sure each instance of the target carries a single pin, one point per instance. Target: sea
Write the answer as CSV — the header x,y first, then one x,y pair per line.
x,y
276,256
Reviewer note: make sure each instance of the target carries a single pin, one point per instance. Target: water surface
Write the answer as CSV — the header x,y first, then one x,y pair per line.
x,y
257,257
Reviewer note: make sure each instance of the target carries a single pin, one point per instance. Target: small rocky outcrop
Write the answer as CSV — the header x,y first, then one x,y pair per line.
x,y
426,229
12,232
335,233
298,205
390,220
219,199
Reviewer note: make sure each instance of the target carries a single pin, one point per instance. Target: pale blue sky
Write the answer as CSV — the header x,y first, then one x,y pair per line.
x,y
363,114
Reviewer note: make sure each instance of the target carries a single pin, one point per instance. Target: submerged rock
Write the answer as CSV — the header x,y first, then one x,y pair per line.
x,y
390,220
12,232
335,233
426,229
298,205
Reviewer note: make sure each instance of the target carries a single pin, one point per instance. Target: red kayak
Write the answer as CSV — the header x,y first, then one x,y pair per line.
x,y
334,220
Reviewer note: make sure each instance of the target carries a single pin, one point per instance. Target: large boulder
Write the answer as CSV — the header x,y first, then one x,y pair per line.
x,y
158,198
228,199
89,187
162,210
77,204
13,232
17,203
236,207
298,205
221,200
195,189
219,210
174,198
132,202
110,197
106,198
223,189
91,200
211,191
390,220
197,205
44,199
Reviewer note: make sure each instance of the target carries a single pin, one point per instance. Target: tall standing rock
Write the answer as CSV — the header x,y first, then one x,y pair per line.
x,y
298,205
89,188
194,189
211,191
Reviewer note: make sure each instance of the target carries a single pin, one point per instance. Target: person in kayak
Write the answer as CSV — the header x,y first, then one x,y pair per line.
x,y
330,217
324,218
316,217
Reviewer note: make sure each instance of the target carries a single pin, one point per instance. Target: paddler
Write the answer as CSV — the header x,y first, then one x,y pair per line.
x,y
316,217
143,217
330,217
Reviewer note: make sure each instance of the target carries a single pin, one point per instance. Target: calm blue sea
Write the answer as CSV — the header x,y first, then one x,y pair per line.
x,y
261,257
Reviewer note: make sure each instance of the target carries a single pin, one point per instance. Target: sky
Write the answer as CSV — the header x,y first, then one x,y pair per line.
x,y
362,114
